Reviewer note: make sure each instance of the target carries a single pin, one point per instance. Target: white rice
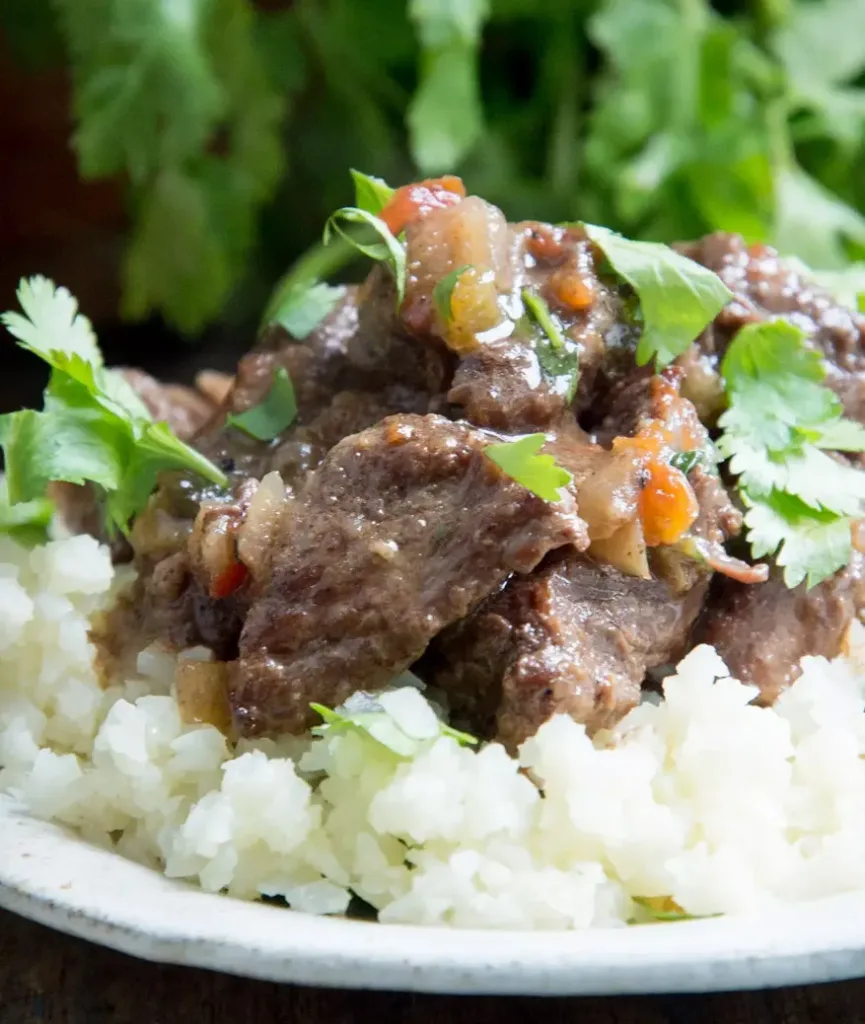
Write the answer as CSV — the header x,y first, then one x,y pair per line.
x,y
702,799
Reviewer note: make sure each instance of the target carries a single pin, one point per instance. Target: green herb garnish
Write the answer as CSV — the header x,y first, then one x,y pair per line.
x,y
388,250
539,474
541,312
663,908
559,357
363,712
93,428
443,291
272,415
370,193
780,423
303,307
686,461
677,296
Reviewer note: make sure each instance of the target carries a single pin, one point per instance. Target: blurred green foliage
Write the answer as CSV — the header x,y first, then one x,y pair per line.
x,y
235,125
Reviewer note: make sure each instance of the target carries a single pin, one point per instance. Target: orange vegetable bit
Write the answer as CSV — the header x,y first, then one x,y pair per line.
x,y
667,505
571,290
411,202
228,581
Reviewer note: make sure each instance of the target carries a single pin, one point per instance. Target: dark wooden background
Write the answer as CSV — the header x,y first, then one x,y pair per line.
x,y
47,978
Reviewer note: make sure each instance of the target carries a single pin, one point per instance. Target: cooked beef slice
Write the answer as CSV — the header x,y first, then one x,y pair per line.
x,y
355,367
578,634
762,632
765,287
402,530
575,637
185,410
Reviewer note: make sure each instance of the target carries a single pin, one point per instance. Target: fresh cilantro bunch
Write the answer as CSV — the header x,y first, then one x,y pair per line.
x,y
780,426
93,429
661,119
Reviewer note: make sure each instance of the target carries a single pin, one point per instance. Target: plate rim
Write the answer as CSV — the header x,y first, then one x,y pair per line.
x,y
54,877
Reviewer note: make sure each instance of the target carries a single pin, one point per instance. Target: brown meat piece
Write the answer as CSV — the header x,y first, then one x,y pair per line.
x,y
401,531
766,288
762,632
500,381
578,636
575,637
185,410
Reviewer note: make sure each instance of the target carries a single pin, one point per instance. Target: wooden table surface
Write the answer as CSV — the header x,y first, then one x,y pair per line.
x,y
48,978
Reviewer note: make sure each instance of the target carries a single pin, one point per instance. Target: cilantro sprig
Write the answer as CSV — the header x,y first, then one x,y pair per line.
x,y
371,193
302,306
93,428
558,356
272,415
780,423
520,460
677,296
367,714
387,249
444,290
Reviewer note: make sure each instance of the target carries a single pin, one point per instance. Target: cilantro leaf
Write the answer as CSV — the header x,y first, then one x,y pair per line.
x,y
774,381
443,291
537,473
365,713
389,249
301,308
686,461
370,193
73,445
541,312
93,428
821,44
847,286
271,416
558,356
664,908
51,322
178,99
813,223
809,545
677,296
837,435
780,422
26,522
445,116
439,24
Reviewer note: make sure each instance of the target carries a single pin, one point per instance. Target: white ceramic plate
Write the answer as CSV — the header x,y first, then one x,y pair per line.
x,y
59,880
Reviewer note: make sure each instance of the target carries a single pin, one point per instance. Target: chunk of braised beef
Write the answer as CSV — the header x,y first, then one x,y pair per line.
x,y
501,379
402,530
767,287
574,637
762,632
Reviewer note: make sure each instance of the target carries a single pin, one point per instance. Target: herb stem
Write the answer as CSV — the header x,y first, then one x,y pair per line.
x,y
319,262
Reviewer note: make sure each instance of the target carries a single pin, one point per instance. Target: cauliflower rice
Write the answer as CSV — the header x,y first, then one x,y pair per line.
x,y
700,799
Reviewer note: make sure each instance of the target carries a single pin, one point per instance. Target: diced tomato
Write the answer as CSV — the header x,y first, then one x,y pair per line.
x,y
545,243
411,202
228,581
667,504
